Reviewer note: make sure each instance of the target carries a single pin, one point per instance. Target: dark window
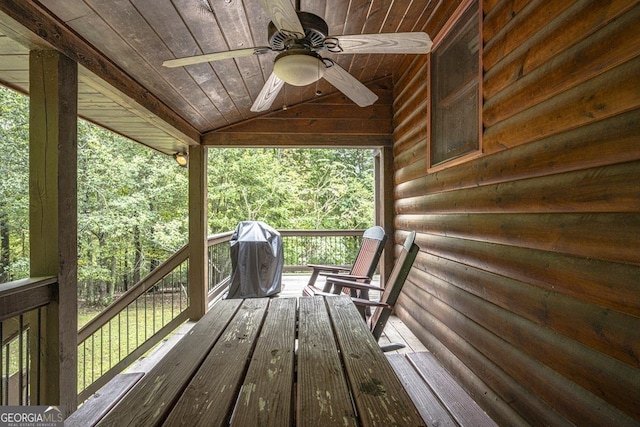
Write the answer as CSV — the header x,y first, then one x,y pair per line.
x,y
455,90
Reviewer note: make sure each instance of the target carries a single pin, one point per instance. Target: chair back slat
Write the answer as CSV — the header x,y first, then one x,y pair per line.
x,y
396,280
369,254
365,264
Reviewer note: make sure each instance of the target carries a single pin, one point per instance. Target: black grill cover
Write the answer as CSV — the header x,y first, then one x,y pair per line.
x,y
256,261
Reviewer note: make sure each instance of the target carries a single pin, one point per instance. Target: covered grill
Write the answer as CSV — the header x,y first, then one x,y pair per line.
x,y
256,261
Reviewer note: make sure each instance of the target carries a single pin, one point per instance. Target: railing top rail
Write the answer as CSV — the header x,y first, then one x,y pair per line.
x,y
321,233
134,292
218,238
21,296
172,262
23,285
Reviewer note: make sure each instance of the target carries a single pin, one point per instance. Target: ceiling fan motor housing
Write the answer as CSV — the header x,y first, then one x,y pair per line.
x,y
315,31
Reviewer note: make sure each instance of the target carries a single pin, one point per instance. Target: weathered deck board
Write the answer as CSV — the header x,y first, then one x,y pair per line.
x,y
361,358
431,409
457,401
98,405
320,407
212,391
152,397
266,400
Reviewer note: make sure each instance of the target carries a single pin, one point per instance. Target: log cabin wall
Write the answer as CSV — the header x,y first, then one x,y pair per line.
x,y
527,286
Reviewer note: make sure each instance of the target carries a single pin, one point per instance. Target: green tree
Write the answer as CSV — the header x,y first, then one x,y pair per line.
x,y
14,185
291,188
132,201
132,211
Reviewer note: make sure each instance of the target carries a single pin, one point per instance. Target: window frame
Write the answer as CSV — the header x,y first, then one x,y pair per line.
x,y
450,25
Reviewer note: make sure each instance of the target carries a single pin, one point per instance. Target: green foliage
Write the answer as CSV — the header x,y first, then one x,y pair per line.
x,y
133,201
291,189
14,185
132,211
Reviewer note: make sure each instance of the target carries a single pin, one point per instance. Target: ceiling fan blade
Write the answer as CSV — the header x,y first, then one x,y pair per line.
x,y
380,43
198,59
284,16
350,86
268,94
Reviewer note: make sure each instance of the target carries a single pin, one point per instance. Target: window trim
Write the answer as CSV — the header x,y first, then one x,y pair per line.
x,y
442,34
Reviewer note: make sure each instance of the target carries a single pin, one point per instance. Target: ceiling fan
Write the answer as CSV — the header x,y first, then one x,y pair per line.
x,y
299,37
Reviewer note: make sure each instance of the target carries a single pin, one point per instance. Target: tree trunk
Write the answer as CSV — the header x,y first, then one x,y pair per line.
x,y
137,259
112,283
125,275
104,262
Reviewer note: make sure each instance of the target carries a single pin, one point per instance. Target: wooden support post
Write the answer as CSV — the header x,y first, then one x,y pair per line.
x,y
53,115
198,230
384,207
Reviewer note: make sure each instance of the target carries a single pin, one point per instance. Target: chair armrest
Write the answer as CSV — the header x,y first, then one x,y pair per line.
x,y
332,268
354,285
352,277
368,303
312,291
324,294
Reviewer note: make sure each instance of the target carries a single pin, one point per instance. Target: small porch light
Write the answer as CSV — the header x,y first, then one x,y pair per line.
x,y
182,158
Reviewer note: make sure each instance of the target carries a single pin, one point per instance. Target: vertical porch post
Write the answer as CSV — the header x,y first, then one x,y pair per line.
x,y
53,82
384,207
198,232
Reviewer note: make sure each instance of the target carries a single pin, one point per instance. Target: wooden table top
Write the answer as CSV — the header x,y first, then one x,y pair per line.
x,y
280,361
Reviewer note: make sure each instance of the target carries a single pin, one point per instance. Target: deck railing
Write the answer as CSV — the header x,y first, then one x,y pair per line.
x,y
135,322
21,305
141,317
327,247
300,247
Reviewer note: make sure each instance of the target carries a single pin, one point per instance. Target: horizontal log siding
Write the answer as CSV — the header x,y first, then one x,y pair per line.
x,y
527,286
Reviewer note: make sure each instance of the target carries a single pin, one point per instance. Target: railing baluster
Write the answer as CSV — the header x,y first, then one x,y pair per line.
x,y
28,376
6,373
84,366
38,364
20,358
2,370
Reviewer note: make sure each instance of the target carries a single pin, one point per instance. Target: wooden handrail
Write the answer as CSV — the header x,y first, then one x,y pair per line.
x,y
320,233
216,239
142,286
134,292
22,296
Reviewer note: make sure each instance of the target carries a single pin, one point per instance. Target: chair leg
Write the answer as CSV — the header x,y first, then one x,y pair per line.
x,y
313,278
391,346
329,288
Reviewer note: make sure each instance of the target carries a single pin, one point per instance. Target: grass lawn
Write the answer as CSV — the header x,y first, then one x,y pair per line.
x,y
123,334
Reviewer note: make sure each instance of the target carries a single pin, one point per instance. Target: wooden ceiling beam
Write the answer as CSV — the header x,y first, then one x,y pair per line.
x,y
329,121
294,140
38,27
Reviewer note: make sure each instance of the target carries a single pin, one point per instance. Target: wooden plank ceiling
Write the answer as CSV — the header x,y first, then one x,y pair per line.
x,y
121,44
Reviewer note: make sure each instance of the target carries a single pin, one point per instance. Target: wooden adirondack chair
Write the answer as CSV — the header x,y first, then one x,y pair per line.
x,y
362,270
389,294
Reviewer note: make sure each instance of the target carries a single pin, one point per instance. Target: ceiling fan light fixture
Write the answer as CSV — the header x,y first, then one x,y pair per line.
x,y
299,67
